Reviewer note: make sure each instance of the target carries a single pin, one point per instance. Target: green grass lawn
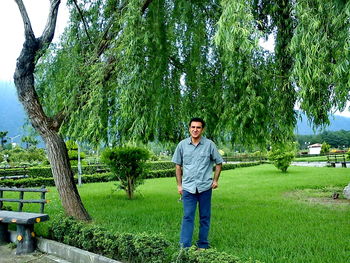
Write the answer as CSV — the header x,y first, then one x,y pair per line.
x,y
257,212
322,158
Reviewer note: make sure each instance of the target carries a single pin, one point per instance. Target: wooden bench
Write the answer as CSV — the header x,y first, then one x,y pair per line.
x,y
14,173
334,159
26,241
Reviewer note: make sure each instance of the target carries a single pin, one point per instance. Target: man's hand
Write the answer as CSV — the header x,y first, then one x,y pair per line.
x,y
179,189
215,184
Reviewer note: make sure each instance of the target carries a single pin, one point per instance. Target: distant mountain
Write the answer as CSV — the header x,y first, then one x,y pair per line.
x,y
337,123
12,116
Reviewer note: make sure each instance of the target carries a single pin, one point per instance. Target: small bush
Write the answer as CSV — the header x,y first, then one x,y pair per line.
x,y
325,148
281,155
128,166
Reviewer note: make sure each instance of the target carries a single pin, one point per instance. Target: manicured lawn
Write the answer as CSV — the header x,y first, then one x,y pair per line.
x,y
322,158
257,212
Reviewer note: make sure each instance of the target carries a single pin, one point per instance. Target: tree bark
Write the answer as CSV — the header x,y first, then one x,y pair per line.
x,y
47,127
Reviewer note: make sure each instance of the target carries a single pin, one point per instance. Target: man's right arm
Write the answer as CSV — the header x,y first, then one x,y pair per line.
x,y
179,178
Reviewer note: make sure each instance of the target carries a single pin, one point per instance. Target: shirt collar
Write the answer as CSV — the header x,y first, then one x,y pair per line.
x,y
189,141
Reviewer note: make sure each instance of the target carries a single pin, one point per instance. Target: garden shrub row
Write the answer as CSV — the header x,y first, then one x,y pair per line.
x,y
45,172
161,173
171,172
153,167
105,177
41,181
192,255
230,166
132,248
160,165
120,246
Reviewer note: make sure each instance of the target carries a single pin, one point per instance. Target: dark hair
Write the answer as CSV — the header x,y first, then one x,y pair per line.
x,y
197,120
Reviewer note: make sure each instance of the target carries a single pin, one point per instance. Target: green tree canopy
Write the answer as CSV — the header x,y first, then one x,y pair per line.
x,y
3,140
138,70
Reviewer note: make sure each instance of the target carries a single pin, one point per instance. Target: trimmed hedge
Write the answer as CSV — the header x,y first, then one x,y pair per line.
x,y
137,248
40,181
127,247
45,172
192,255
161,173
107,176
160,165
230,166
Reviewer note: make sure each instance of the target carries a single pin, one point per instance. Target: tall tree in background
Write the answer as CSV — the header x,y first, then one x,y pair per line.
x,y
29,141
48,127
3,140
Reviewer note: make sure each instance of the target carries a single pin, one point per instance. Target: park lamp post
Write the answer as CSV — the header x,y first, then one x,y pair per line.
x,y
12,138
6,160
79,165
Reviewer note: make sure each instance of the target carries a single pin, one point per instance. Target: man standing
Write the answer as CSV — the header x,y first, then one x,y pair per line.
x,y
194,158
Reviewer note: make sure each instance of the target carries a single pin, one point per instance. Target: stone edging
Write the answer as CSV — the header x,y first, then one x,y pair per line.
x,y
69,253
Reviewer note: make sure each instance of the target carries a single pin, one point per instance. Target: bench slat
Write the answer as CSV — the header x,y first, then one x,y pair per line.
x,y
22,217
23,189
37,201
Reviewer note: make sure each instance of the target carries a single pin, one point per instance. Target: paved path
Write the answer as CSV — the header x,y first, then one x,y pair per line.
x,y
8,255
319,164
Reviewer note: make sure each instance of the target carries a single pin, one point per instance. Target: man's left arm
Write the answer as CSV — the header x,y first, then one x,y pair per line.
x,y
217,172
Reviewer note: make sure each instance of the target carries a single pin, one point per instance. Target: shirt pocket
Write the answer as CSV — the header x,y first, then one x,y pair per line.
x,y
204,158
187,159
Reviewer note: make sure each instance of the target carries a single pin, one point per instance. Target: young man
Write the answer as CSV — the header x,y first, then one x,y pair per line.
x,y
194,158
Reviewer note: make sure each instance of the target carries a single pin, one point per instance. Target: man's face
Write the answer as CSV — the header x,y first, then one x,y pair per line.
x,y
196,129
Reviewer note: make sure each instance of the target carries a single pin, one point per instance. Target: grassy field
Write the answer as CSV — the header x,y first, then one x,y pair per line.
x,y
322,158
257,212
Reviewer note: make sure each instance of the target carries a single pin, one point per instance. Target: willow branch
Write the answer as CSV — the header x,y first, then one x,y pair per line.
x,y
83,19
145,6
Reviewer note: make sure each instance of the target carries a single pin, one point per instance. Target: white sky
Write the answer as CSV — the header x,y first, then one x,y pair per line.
x,y
12,29
12,32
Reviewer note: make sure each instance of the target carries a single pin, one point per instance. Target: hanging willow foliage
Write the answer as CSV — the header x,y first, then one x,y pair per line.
x,y
138,70
321,48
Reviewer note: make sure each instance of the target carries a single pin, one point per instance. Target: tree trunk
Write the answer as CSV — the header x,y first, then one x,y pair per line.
x,y
47,127
130,190
63,176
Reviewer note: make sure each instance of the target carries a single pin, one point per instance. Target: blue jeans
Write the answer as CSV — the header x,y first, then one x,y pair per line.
x,y
189,207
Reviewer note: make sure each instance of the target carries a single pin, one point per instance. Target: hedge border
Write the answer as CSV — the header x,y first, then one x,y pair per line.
x,y
130,247
107,176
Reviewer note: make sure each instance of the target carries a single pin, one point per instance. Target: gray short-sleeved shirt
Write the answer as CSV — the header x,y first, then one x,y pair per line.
x,y
197,163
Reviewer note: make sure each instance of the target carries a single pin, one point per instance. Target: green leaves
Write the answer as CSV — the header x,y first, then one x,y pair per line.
x,y
128,166
146,74
282,154
320,46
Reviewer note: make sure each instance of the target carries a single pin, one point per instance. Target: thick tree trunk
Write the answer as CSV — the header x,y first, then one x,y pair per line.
x,y
46,126
63,176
